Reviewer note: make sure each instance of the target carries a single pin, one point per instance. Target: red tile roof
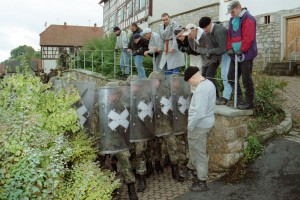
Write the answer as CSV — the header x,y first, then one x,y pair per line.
x,y
65,35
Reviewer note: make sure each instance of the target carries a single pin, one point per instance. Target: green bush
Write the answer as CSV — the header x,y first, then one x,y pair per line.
x,y
253,149
88,181
44,152
267,101
107,68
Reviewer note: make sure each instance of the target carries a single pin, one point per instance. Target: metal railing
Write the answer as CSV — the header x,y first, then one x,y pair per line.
x,y
102,62
293,51
267,54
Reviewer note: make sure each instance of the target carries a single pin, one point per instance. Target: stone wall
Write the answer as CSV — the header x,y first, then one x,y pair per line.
x,y
227,141
269,35
191,16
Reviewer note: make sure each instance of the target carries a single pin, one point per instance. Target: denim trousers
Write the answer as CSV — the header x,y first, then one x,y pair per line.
x,y
124,62
138,61
225,63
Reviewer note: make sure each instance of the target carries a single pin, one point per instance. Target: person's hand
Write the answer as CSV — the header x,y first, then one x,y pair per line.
x,y
129,50
208,55
230,52
183,49
155,49
239,53
146,53
171,50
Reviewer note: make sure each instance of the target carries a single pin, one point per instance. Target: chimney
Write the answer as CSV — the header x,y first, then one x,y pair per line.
x,y
95,25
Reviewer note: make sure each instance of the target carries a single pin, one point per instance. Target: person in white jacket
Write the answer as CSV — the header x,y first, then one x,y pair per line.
x,y
155,46
122,45
172,59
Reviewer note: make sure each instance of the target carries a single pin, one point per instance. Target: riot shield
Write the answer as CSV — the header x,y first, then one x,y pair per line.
x,y
163,108
142,94
181,99
113,119
84,106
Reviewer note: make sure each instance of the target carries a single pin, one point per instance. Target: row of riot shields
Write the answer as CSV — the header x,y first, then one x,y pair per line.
x,y
127,114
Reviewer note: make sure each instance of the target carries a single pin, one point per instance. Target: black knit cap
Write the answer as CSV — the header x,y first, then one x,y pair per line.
x,y
204,22
116,29
189,72
136,36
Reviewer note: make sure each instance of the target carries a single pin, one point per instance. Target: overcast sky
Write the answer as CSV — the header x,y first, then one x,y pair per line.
x,y
21,21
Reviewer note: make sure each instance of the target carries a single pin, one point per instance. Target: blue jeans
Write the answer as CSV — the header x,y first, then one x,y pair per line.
x,y
225,63
124,62
169,72
138,61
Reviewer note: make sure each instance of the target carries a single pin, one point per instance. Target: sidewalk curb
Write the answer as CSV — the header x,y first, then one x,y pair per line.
x,y
280,129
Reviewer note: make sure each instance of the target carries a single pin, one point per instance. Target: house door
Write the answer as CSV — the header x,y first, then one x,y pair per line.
x,y
292,47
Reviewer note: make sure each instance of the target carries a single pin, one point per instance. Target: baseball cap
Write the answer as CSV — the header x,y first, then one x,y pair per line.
x,y
232,5
146,30
189,29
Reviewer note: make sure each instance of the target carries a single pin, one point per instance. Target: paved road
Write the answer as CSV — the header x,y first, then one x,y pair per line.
x,y
274,176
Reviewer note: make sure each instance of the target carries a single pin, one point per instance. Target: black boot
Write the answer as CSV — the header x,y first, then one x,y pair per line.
x,y
245,106
131,192
167,161
198,186
149,169
175,173
114,167
158,167
141,183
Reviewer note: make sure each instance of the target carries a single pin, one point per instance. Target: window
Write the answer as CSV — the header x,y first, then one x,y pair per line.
x,y
142,4
121,14
137,5
267,19
129,9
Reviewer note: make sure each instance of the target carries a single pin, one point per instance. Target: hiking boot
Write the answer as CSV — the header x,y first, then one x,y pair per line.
x,y
221,101
175,173
198,186
158,167
141,183
245,106
131,192
189,174
149,169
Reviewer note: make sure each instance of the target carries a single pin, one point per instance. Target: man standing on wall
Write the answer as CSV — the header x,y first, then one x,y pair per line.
x,y
172,58
242,42
218,34
155,45
122,45
201,119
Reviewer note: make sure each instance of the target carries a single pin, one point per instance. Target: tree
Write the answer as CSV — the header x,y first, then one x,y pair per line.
x,y
24,52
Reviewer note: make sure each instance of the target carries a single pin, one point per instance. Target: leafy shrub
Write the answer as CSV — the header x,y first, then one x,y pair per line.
x,y
88,181
43,150
253,149
107,68
267,102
